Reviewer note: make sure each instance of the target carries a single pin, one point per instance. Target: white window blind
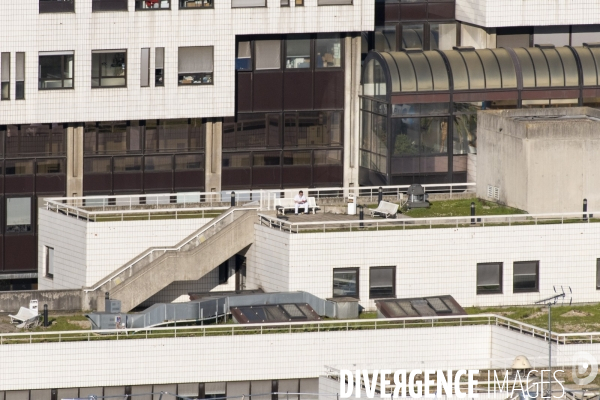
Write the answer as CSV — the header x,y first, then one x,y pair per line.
x,y
488,274
248,3
159,63
244,50
145,68
195,59
5,67
335,2
268,54
20,72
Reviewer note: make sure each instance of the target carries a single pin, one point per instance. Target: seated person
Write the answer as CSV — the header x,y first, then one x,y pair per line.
x,y
300,201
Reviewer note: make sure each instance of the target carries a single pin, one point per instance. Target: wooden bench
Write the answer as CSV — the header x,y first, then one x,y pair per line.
x,y
385,209
286,203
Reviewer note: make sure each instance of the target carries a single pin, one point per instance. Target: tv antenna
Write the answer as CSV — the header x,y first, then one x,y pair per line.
x,y
551,301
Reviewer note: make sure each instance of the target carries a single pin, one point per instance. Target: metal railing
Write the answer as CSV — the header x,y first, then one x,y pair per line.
x,y
301,327
427,223
151,254
92,208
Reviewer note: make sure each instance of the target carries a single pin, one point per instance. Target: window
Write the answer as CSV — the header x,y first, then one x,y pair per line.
x,y
266,159
223,272
174,135
442,36
195,65
49,262
329,51
157,163
328,157
345,282
111,138
149,5
5,73
334,2
268,54
55,70
53,166
214,390
96,165
385,38
598,273
20,77
191,4
526,276
18,214
159,67
248,3
54,6
109,68
243,61
412,36
145,68
189,162
109,5
297,53
296,158
489,278
35,139
236,160
382,282
127,164
19,167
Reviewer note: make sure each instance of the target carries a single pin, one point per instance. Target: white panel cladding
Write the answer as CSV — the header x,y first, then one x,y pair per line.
x,y
83,31
499,13
67,237
268,261
436,261
239,358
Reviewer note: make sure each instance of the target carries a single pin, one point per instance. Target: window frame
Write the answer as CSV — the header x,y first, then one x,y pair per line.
x,y
537,277
202,74
48,262
20,84
136,2
597,273
393,295
326,36
494,291
350,269
3,83
116,51
62,70
31,216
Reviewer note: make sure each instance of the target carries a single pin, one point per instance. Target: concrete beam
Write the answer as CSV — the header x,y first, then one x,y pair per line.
x,y
62,300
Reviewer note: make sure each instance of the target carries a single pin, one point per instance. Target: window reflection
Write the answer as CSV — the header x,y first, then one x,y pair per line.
x,y
412,36
328,51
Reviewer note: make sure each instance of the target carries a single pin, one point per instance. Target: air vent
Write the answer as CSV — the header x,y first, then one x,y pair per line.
x,y
493,192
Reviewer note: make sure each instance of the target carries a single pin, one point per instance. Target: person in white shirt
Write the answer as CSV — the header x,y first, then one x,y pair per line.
x,y
301,201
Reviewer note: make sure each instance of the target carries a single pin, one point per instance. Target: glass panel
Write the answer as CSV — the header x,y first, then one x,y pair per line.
x,y
489,278
381,282
56,71
142,5
374,81
109,69
183,4
266,159
196,132
18,214
290,130
189,161
465,128
243,62
35,139
173,135
296,158
19,167
251,131
328,51
268,54
328,157
236,160
345,283
145,68
50,167
96,165
434,134
157,163
385,38
406,133
442,36
525,276
297,53
412,36
127,164
159,67
111,138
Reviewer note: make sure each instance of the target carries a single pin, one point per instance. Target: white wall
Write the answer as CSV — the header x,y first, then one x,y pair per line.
x,y
496,13
25,30
433,262
86,252
268,260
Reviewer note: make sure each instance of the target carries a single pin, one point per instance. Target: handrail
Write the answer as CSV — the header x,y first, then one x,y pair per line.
x,y
477,220
170,248
307,326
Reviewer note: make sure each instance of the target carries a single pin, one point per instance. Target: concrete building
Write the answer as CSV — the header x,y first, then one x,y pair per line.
x,y
542,161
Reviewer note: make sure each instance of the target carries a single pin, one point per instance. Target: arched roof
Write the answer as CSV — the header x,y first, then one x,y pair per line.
x,y
467,69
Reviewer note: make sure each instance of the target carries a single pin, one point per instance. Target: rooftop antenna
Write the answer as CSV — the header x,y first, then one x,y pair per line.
x,y
550,301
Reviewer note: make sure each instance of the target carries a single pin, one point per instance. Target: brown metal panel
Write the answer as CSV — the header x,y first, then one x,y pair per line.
x,y
329,90
591,92
459,163
234,178
421,98
434,164
267,91
189,180
391,12
298,90
244,91
129,181
51,183
19,184
20,252
158,180
332,175
486,96
405,165
1,187
296,176
440,11
266,177
97,182
549,94
413,12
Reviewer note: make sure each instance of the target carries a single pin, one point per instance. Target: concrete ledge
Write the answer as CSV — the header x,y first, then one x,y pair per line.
x,y
62,300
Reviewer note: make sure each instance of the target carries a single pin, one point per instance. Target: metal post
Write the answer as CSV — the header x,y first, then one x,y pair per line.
x,y
361,215
550,350
472,213
585,215
232,199
379,195
46,322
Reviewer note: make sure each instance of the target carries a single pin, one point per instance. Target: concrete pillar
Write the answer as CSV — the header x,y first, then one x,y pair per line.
x,y
75,161
213,155
352,90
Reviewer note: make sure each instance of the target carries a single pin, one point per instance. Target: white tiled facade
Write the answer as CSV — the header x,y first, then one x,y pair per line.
x,y
432,262
83,31
494,13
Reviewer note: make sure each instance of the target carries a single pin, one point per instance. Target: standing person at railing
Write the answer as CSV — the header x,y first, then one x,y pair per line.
x,y
300,200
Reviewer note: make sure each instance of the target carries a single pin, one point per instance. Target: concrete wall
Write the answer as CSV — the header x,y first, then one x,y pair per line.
x,y
540,166
477,37
432,262
59,300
